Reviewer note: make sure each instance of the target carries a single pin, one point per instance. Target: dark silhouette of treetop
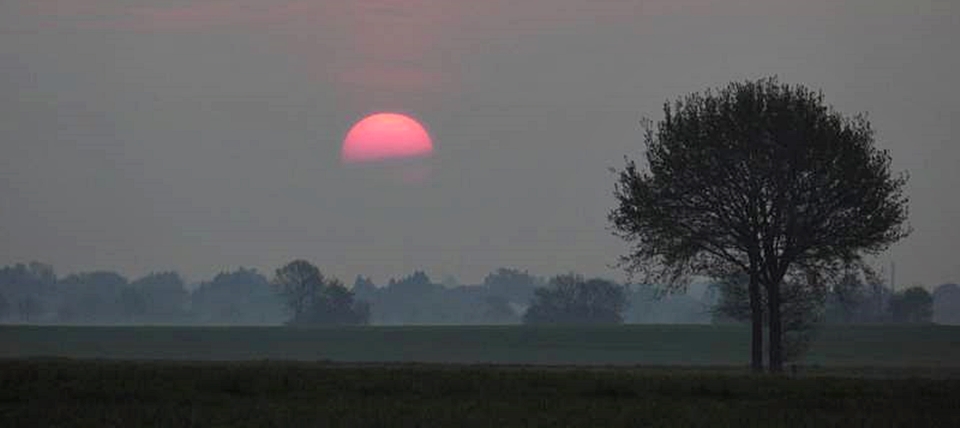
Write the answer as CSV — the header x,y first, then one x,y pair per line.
x,y
314,299
762,179
571,299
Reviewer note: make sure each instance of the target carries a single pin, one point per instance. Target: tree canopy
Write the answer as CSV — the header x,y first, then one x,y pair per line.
x,y
315,299
570,299
242,296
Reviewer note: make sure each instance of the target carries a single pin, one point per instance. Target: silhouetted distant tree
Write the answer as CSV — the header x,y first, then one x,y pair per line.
x,y
243,296
418,279
845,300
314,299
99,297
497,310
759,178
4,307
164,297
414,299
363,286
857,296
646,304
29,290
298,282
334,304
946,304
569,299
841,297
134,305
913,305
513,284
30,308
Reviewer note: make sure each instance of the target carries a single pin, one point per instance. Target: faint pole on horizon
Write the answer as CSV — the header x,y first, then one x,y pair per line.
x,y
893,277
893,281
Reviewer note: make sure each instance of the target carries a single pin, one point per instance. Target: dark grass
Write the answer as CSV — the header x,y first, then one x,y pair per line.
x,y
95,393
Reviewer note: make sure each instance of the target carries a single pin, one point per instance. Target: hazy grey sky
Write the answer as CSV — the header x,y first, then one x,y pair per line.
x,y
204,135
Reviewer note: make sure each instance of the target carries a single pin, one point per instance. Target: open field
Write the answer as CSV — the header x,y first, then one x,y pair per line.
x,y
75,393
489,377
934,348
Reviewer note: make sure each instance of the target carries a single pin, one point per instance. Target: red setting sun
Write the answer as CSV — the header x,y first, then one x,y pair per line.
x,y
385,136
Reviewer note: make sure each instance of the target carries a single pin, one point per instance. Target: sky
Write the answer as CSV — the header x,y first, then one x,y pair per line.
x,y
205,135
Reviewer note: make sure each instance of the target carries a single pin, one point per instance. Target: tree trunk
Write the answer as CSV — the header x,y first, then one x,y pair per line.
x,y
776,328
756,325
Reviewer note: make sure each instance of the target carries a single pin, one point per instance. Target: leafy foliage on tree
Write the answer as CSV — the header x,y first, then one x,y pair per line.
x,y
570,299
762,179
314,299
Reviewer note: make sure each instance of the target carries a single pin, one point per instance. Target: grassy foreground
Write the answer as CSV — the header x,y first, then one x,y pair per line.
x,y
86,393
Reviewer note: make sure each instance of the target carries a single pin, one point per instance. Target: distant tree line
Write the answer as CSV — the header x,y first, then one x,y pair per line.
x,y
854,295
32,293
852,299
299,294
570,299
